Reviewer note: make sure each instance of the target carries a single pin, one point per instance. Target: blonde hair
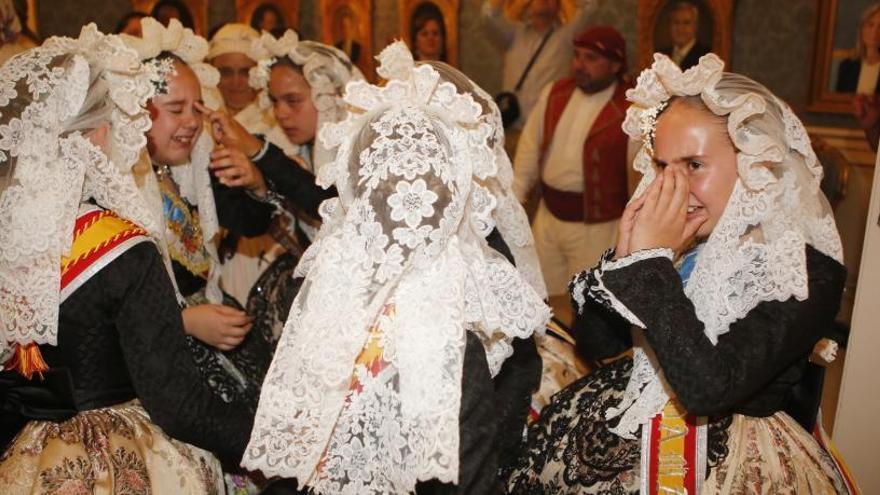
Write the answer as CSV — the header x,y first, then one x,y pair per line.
x,y
868,13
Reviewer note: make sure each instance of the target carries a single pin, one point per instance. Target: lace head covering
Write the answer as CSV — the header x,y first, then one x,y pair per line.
x,y
49,97
402,249
327,70
756,252
193,178
509,216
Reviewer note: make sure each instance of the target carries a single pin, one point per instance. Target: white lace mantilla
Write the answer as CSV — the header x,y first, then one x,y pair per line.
x,y
48,94
756,252
407,231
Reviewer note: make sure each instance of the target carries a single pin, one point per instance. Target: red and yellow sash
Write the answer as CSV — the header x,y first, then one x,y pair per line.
x,y
673,452
99,237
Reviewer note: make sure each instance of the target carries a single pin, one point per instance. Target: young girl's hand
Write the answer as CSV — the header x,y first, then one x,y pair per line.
x,y
219,326
229,133
662,221
233,169
627,220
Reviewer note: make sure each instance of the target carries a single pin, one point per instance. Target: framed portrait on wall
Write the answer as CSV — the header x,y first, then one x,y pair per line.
x,y
430,28
346,24
684,30
191,13
274,16
847,54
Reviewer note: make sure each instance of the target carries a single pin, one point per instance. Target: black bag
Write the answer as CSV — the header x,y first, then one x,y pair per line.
x,y
509,106
506,100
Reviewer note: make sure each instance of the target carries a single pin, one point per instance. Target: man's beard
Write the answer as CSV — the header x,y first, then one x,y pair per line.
x,y
590,86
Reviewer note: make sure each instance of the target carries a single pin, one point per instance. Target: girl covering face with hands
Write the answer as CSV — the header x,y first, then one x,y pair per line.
x,y
701,321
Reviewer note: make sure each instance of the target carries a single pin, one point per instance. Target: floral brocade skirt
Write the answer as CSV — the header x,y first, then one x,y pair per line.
x,y
113,450
571,450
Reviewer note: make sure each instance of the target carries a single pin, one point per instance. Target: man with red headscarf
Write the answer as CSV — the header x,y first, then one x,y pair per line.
x,y
574,145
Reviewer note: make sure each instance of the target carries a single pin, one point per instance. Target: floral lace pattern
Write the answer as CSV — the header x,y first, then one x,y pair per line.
x,y
402,230
184,43
756,251
50,171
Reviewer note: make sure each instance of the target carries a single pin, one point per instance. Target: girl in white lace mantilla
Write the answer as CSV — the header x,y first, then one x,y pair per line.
x,y
100,363
727,272
364,393
302,82
177,183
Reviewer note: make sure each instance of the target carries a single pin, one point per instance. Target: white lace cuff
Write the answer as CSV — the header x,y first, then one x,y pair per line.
x,y
260,154
643,254
589,283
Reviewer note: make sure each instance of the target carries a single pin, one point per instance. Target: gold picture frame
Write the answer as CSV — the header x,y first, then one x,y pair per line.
x,y
289,9
716,23
347,25
198,9
832,49
449,11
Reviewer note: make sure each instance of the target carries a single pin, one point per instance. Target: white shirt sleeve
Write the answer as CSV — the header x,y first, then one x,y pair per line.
x,y
503,30
528,150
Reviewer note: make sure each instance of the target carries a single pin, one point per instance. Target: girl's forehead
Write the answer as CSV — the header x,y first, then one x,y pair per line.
x,y
184,83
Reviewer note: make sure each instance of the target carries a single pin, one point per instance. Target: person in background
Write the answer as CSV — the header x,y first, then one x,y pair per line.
x,y
686,49
232,54
519,40
130,24
573,145
268,18
165,10
304,82
428,33
12,33
861,74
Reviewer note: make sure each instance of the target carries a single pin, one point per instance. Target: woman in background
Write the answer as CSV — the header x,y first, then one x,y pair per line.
x,y
428,33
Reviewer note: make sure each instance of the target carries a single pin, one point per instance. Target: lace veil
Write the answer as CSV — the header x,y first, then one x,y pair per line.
x,y
192,178
407,232
50,97
326,69
756,252
509,216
